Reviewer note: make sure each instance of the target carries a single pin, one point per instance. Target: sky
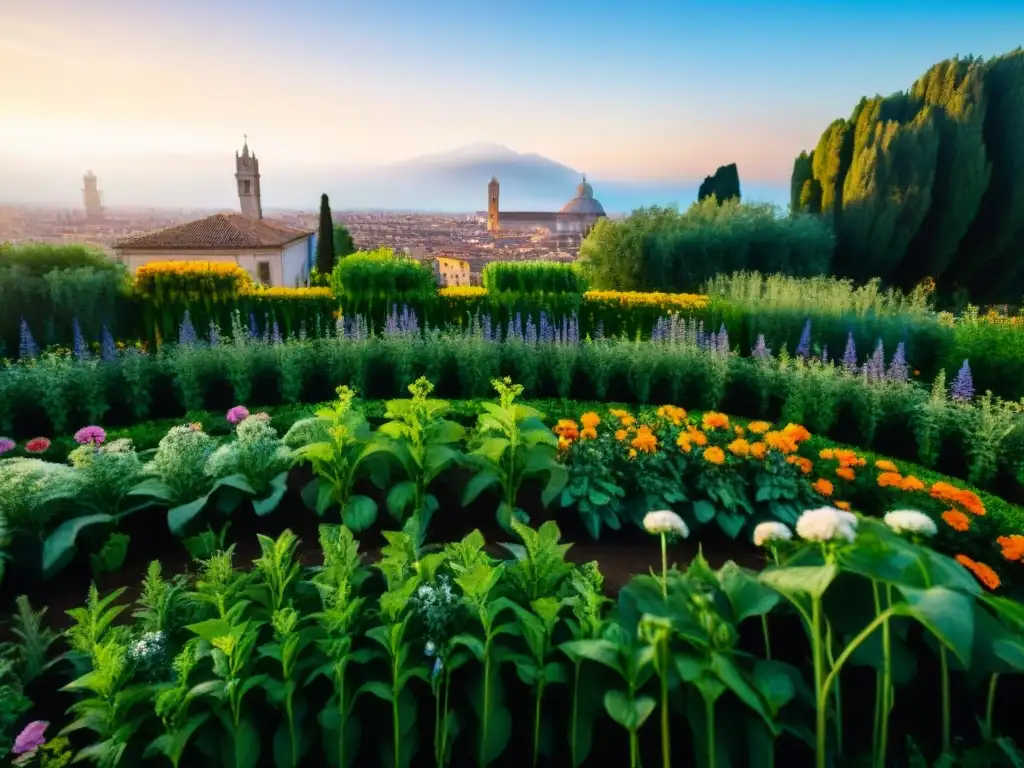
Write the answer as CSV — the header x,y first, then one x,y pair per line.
x,y
641,92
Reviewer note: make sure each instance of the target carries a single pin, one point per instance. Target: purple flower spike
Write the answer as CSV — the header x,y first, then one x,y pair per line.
x,y
238,414
850,354
31,737
962,390
803,349
91,435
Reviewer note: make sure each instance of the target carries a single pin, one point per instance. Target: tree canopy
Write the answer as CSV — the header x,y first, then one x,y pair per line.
x,y
325,239
928,182
724,185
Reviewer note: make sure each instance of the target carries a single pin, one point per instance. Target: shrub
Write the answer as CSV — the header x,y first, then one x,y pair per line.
x,y
533,277
370,283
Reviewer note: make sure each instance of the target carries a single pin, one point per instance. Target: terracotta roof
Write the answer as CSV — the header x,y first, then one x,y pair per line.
x,y
222,230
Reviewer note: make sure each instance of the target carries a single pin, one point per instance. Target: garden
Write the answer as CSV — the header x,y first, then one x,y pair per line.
x,y
528,523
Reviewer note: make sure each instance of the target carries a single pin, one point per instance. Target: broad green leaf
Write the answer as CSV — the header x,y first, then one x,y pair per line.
x,y
704,511
237,482
492,449
948,615
400,497
602,651
726,670
153,487
482,480
730,522
747,596
810,580
774,680
1011,651
59,547
630,714
265,506
179,517
360,513
379,689
210,629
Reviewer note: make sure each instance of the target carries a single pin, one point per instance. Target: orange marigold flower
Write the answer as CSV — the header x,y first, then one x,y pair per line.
x,y
823,486
617,413
632,453
890,480
956,519
676,415
843,505
982,572
714,454
620,434
567,428
627,420
759,427
886,466
804,465
758,450
739,447
827,453
911,483
563,444
712,420
781,442
590,420
1013,547
683,441
588,433
645,440
797,432
846,474
740,431
697,437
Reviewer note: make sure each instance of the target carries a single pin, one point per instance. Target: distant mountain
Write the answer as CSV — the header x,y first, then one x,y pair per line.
x,y
528,181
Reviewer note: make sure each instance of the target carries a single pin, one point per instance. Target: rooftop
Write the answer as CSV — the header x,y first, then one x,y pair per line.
x,y
222,230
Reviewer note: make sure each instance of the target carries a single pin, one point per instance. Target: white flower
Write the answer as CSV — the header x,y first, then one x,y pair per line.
x,y
665,521
430,649
826,524
771,531
146,647
910,521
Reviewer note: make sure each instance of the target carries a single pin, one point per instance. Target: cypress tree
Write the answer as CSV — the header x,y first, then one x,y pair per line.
x,y
325,239
803,175
988,261
724,185
955,89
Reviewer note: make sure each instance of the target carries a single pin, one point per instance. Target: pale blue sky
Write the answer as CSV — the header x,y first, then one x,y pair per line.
x,y
640,90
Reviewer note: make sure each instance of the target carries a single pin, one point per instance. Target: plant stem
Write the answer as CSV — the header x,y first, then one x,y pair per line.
x,y
487,703
536,723
666,742
633,749
879,694
944,665
820,700
437,725
341,717
883,744
709,709
290,712
990,705
396,728
575,713
767,640
664,569
444,727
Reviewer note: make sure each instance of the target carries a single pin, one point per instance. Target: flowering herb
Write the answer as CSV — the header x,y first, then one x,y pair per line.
x,y
7,445
91,435
237,414
37,445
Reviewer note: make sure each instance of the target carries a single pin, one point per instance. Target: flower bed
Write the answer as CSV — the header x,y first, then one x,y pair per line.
x,y
458,656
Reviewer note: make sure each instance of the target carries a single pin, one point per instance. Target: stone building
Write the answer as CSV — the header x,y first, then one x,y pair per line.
x,y
247,177
92,196
575,218
450,272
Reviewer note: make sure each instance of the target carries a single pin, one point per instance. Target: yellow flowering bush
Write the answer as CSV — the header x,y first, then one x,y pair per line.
x,y
462,292
293,294
215,281
668,302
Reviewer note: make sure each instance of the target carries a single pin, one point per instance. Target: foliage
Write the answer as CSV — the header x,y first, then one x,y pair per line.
x,y
510,444
532,277
924,183
369,283
724,185
325,252
343,243
663,249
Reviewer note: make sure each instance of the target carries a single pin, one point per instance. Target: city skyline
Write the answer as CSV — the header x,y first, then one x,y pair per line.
x,y
653,94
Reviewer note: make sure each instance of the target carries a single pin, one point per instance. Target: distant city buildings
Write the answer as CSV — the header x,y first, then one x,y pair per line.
x,y
575,218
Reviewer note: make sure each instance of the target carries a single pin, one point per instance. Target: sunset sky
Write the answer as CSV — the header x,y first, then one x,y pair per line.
x,y
635,90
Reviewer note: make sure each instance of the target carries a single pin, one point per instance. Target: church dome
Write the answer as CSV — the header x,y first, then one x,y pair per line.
x,y
584,201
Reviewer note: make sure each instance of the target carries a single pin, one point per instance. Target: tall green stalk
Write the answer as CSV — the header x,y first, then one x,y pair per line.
x,y
887,697
574,718
709,710
820,695
944,667
666,740
990,706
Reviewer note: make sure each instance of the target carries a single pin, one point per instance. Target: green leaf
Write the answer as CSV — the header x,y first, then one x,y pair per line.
x,y
181,516
265,506
401,496
704,511
360,513
602,651
726,670
775,682
59,547
630,714
810,580
238,482
379,689
492,449
948,615
210,629
747,596
730,522
155,488
477,484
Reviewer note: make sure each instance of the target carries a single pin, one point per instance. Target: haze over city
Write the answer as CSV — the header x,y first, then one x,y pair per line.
x,y
644,97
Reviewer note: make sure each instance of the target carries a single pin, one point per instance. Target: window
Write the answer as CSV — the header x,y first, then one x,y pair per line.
x,y
245,187
263,272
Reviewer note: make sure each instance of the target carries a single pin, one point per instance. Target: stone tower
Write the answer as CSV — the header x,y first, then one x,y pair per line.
x,y
247,175
492,205
91,196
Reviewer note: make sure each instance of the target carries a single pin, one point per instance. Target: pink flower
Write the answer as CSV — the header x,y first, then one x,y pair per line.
x,y
90,436
37,445
31,737
6,444
238,414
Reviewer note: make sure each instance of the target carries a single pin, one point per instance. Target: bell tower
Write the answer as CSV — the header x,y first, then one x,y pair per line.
x,y
492,205
247,177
